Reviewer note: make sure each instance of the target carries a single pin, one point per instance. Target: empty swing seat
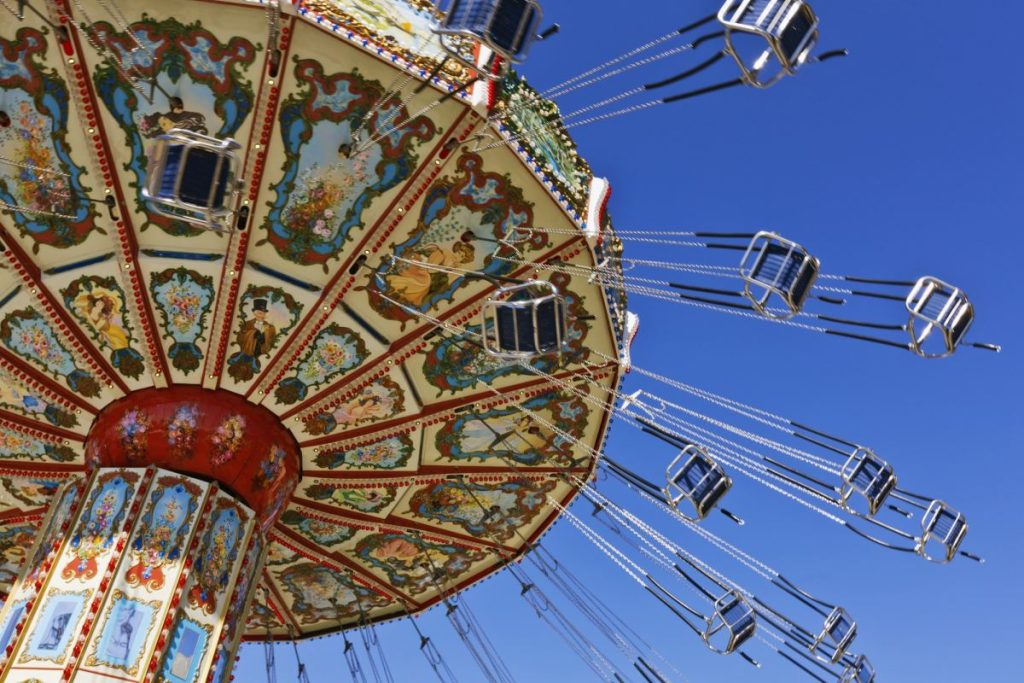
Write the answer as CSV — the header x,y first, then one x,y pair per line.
x,y
776,268
507,27
524,321
940,316
837,635
699,479
731,625
192,177
861,671
789,27
866,474
942,531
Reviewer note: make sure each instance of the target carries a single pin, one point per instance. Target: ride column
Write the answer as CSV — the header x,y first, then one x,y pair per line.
x,y
138,588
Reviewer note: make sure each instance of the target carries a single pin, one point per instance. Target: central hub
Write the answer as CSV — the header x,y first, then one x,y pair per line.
x,y
213,434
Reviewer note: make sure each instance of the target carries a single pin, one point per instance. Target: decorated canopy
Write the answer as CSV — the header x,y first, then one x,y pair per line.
x,y
340,306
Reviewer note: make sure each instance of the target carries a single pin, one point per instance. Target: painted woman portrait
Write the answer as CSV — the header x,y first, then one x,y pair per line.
x,y
102,308
415,284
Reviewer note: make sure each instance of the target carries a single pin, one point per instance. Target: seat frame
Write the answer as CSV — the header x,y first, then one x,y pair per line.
x,y
489,321
851,674
836,616
784,11
951,541
756,253
526,27
853,466
716,622
946,321
208,216
675,493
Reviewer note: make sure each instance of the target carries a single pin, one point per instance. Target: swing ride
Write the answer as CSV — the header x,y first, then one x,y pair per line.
x,y
350,334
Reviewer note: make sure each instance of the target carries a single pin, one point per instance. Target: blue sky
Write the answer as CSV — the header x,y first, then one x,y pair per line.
x,y
900,160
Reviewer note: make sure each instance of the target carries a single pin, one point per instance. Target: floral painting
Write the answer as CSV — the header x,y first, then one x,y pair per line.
x,y
44,183
320,532
460,228
271,468
98,303
15,445
368,499
15,396
335,350
410,562
491,511
183,297
216,559
377,401
27,333
104,512
181,431
227,439
386,454
133,433
63,505
159,538
322,594
510,434
266,315
343,149
203,87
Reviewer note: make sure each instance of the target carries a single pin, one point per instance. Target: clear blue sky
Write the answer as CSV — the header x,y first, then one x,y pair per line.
x,y
903,159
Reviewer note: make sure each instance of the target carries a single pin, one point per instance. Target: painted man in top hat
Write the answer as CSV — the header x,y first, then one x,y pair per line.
x,y
256,337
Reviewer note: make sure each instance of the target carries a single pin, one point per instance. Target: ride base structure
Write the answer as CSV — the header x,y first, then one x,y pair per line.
x,y
141,573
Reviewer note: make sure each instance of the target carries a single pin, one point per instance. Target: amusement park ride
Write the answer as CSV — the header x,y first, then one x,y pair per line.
x,y
311,318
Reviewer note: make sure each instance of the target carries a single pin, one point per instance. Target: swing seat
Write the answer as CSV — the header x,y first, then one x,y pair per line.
x,y
506,27
776,268
837,634
731,625
861,671
789,27
940,316
699,480
524,321
192,178
866,474
942,531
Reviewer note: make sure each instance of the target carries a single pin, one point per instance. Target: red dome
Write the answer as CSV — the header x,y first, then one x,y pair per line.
x,y
217,435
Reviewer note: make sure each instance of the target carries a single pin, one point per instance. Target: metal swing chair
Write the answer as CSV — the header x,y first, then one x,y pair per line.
x,y
940,315
942,531
867,475
772,268
789,27
838,633
731,625
861,671
699,480
506,27
523,321
193,178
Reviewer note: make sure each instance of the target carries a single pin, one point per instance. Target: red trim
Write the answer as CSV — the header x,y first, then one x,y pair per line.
x,y
125,228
